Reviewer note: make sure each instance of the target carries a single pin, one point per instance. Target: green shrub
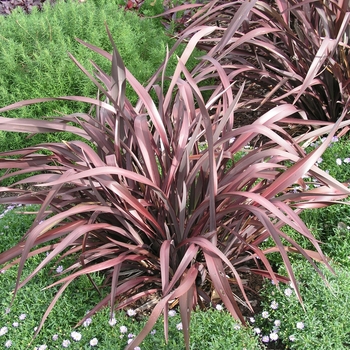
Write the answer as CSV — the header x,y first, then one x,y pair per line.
x,y
34,61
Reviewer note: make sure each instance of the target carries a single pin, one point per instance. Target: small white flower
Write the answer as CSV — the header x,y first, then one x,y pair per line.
x,y
179,326
131,312
277,323
265,314
274,305
15,324
265,339
112,322
76,336
292,337
22,317
93,342
300,325
219,307
257,330
291,285
65,343
288,292
172,313
55,337
8,344
59,269
335,139
3,331
274,336
87,322
123,329
236,327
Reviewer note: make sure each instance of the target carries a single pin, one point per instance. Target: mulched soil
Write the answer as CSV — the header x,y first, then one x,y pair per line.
x,y
7,6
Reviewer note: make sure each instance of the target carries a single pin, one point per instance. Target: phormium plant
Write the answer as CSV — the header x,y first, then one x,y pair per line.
x,y
158,203
291,51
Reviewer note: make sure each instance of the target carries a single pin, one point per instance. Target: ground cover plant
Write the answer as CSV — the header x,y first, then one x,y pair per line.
x,y
160,205
34,61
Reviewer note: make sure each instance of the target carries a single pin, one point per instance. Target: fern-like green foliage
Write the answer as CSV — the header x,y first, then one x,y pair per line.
x,y
34,61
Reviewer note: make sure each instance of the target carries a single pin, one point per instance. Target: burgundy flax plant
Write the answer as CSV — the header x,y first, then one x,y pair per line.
x,y
157,199
290,51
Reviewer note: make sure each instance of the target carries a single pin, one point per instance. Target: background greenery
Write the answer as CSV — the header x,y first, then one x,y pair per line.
x,y
34,61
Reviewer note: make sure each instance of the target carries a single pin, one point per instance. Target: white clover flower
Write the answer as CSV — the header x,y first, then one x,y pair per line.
x,y
87,322
265,339
55,337
257,330
76,336
131,312
15,324
219,307
292,337
300,325
123,329
273,336
236,327
274,305
93,342
179,326
59,269
112,322
22,317
65,343
265,314
277,323
172,313
8,344
3,331
288,292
